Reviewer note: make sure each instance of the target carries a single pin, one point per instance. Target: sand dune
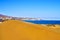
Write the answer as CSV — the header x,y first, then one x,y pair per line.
x,y
19,30
55,29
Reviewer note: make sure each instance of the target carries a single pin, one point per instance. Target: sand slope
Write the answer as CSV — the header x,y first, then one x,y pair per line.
x,y
55,29
18,30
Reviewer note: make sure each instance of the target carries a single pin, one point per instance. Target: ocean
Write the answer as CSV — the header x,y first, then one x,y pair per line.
x,y
43,21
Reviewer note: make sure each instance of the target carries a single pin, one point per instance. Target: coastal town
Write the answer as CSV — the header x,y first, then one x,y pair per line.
x,y
4,17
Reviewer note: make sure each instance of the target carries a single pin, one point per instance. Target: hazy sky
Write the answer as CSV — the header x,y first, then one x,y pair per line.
x,y
47,9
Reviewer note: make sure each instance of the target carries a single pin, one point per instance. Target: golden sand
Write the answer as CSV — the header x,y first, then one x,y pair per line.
x,y
18,30
55,29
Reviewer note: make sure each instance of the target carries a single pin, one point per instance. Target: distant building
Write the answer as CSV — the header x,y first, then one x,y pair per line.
x,y
30,18
1,20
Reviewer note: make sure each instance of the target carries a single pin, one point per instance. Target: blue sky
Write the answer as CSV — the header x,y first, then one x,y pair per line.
x,y
46,9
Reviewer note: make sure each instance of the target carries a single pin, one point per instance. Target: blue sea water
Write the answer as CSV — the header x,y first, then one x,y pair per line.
x,y
44,21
